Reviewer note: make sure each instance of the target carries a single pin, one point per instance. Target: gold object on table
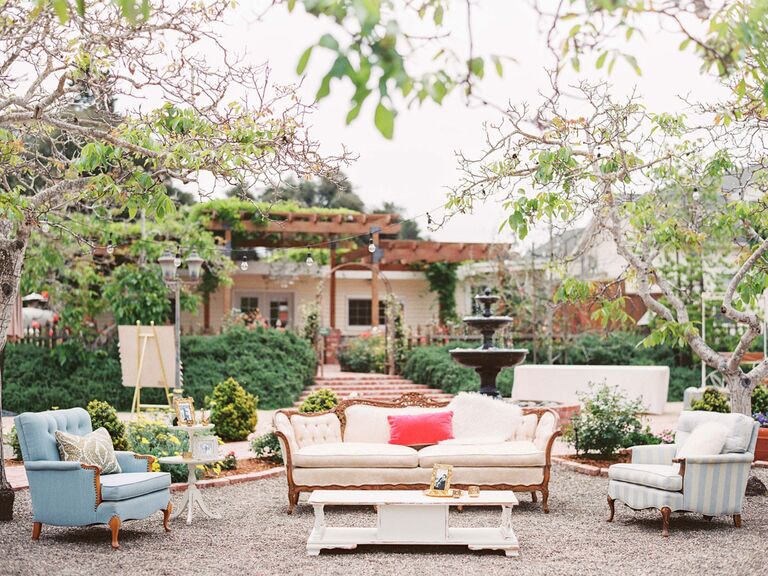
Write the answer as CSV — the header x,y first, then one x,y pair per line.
x,y
186,455
474,491
457,493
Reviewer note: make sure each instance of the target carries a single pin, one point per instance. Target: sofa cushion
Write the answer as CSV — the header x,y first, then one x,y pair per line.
x,y
115,487
369,423
420,429
740,428
479,415
356,455
653,475
309,430
505,454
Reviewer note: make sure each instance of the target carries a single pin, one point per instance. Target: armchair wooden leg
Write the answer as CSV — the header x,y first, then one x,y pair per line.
x,y
36,528
737,520
545,500
534,497
665,514
114,525
167,516
612,506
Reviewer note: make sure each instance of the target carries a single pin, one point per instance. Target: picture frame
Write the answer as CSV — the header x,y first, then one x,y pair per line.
x,y
205,447
441,480
185,411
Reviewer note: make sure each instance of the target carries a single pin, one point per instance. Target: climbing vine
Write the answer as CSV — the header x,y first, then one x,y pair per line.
x,y
442,281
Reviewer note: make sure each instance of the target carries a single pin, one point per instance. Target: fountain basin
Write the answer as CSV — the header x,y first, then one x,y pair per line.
x,y
489,358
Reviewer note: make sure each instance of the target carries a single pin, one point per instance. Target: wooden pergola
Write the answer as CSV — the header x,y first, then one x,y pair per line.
x,y
335,231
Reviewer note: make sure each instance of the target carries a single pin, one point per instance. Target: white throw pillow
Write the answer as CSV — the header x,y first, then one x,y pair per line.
x,y
476,415
707,439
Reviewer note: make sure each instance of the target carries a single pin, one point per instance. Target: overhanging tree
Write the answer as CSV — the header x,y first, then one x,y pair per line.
x,y
164,101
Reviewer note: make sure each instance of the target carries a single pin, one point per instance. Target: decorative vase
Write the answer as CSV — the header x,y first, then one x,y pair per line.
x,y
7,495
761,448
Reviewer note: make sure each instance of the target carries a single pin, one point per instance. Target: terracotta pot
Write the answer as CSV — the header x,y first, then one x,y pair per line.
x,y
6,503
761,448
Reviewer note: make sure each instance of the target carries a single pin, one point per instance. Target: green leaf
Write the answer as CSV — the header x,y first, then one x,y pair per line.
x,y
499,67
601,60
304,60
477,67
81,7
291,5
62,10
438,17
765,91
384,119
328,41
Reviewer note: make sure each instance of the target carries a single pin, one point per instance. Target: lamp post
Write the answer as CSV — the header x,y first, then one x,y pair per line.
x,y
169,264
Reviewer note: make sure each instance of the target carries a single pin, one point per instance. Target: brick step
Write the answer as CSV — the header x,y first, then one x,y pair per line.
x,y
405,385
437,395
392,393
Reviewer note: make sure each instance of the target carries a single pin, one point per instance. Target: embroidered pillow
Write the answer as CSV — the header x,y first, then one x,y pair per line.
x,y
420,429
94,449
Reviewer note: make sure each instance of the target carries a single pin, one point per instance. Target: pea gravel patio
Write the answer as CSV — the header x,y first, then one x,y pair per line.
x,y
257,537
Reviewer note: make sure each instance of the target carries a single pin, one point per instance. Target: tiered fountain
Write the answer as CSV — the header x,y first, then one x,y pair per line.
x,y
488,360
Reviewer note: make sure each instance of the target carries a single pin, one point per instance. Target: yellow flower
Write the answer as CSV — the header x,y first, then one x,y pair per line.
x,y
174,439
144,441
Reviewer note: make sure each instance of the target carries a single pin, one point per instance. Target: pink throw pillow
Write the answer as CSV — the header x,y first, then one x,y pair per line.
x,y
420,429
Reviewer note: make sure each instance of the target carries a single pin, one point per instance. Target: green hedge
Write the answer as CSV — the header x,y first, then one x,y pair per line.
x,y
433,365
275,366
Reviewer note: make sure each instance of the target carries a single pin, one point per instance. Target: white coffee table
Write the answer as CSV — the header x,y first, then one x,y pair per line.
x,y
409,517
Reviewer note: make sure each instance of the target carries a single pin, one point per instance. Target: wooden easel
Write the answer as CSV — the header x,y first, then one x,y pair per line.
x,y
142,339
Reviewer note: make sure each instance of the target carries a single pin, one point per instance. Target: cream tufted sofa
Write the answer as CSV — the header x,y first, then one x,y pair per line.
x,y
348,448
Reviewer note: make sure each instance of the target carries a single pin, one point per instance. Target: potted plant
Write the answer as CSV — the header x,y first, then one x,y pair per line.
x,y
760,413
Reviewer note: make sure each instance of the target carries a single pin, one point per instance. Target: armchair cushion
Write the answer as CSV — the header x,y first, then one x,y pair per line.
x,y
651,475
707,439
116,487
654,454
93,449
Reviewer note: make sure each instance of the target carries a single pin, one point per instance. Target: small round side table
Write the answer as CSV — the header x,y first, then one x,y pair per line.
x,y
192,494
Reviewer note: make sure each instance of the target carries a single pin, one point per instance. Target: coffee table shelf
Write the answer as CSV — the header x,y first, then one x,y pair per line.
x,y
408,517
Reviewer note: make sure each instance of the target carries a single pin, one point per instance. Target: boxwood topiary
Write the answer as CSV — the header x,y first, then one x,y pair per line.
x,y
323,399
233,411
104,415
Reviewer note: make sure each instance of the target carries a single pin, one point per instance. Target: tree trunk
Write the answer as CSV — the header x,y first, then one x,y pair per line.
x,y
11,263
741,395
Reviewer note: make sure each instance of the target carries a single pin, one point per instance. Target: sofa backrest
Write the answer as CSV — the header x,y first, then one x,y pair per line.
x,y
320,429
365,423
742,433
36,431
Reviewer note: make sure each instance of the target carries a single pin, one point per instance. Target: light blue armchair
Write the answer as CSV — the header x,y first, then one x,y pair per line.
x,y
75,494
709,485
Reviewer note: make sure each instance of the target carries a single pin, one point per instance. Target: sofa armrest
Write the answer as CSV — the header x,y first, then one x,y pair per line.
x,y
51,465
132,462
286,436
654,454
547,429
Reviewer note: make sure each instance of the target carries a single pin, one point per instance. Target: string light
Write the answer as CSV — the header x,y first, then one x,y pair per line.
x,y
111,250
309,259
371,246
244,263
45,227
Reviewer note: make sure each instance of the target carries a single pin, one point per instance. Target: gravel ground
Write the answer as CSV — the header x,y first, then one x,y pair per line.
x,y
257,537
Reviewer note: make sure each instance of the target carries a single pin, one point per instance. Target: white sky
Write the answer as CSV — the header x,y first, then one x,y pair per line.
x,y
415,168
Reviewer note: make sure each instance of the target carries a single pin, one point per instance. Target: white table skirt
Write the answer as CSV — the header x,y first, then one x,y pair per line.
x,y
563,383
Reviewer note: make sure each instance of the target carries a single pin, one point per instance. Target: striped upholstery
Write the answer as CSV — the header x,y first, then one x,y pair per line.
x,y
654,475
710,485
654,454
641,497
715,485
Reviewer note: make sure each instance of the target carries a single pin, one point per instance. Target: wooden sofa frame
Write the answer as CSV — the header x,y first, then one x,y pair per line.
x,y
408,400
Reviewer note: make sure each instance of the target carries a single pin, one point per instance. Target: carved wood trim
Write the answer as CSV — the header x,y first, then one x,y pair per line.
x,y
150,460
681,471
96,481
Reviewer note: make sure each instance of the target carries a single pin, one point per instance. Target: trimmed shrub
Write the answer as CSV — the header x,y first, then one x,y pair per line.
x,y
275,366
320,401
233,411
267,447
104,415
12,440
712,401
364,354
607,422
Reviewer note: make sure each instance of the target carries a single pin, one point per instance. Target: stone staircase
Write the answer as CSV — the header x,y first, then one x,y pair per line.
x,y
371,387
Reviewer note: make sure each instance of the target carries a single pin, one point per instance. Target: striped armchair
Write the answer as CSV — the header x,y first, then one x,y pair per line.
x,y
708,485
